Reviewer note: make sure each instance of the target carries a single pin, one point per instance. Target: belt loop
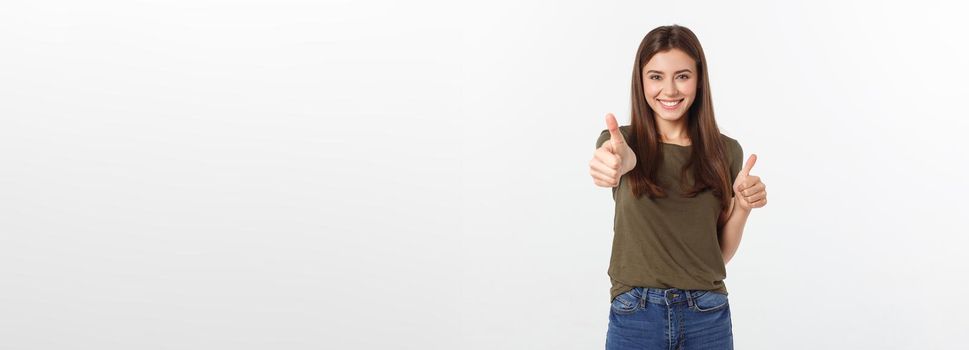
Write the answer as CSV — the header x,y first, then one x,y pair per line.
x,y
689,298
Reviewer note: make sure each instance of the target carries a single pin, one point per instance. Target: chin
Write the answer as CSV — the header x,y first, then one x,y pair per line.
x,y
663,115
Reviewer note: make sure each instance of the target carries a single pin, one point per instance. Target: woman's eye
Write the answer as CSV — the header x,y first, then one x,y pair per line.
x,y
685,76
653,76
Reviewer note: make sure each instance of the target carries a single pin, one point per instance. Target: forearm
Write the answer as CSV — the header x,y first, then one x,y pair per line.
x,y
732,231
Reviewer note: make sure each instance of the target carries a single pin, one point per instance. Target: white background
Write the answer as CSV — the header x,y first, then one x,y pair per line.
x,y
414,175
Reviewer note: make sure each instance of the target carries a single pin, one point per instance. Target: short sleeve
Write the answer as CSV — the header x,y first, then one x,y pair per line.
x,y
604,135
736,155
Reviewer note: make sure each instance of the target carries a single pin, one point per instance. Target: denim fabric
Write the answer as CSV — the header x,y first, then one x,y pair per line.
x,y
650,318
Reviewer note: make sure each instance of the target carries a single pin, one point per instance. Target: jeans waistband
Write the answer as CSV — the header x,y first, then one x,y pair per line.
x,y
669,296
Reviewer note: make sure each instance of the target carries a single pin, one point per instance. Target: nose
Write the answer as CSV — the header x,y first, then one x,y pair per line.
x,y
671,89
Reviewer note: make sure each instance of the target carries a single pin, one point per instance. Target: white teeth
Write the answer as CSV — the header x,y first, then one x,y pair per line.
x,y
670,104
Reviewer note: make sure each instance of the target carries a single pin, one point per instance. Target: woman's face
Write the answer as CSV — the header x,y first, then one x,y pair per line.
x,y
669,83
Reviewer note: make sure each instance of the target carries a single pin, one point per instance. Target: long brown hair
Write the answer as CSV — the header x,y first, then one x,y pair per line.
x,y
708,158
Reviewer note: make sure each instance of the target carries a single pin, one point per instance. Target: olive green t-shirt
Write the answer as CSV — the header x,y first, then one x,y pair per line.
x,y
668,242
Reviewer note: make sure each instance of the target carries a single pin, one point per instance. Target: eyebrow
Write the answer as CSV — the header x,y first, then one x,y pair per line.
x,y
677,72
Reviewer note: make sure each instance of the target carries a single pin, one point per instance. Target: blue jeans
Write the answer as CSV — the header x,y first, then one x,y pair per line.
x,y
650,318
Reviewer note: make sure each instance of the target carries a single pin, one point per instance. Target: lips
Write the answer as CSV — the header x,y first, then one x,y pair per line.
x,y
670,104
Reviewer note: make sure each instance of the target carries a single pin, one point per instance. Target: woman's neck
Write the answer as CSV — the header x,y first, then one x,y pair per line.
x,y
673,132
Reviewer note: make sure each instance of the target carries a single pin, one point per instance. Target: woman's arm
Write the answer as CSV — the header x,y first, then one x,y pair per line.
x,y
733,230
748,193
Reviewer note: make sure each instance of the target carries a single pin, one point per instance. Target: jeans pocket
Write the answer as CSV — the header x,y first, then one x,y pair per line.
x,y
709,300
628,302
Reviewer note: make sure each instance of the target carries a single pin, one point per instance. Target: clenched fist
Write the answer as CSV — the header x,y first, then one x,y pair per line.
x,y
614,159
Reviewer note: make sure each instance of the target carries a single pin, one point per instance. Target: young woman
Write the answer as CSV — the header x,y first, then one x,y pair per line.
x,y
682,200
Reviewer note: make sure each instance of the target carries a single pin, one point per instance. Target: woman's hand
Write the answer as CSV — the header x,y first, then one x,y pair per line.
x,y
749,191
613,159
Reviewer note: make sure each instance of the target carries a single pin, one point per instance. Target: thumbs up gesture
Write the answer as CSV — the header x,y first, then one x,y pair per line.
x,y
749,191
613,159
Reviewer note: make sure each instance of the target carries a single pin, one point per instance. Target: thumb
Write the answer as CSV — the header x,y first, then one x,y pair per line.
x,y
618,142
750,164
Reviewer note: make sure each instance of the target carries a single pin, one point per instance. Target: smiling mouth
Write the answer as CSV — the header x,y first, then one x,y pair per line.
x,y
670,104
